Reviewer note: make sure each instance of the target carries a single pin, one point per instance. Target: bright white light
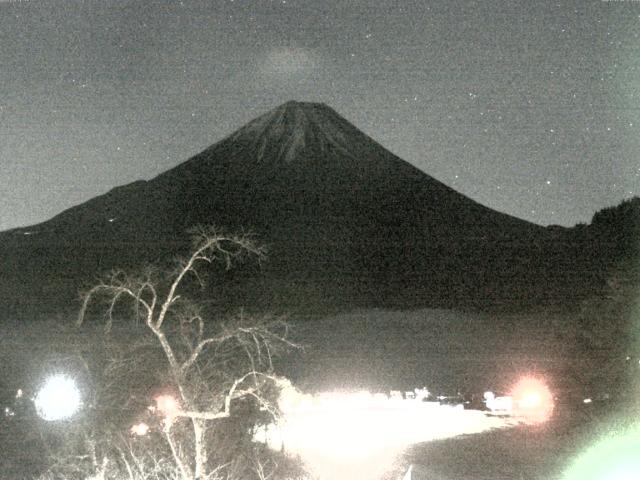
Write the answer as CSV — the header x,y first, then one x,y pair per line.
x,y
530,400
502,405
344,436
167,406
587,400
533,399
58,399
140,429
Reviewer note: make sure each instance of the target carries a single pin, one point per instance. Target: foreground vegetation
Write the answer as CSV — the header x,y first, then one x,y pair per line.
x,y
170,390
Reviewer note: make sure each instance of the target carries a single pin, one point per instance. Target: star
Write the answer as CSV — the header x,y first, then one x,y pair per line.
x,y
287,56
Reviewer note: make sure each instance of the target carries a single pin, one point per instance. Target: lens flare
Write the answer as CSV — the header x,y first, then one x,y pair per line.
x,y
532,400
616,457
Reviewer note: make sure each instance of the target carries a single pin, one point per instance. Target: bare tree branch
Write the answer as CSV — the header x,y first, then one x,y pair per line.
x,y
212,365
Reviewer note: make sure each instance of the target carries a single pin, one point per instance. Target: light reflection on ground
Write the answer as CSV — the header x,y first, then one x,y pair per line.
x,y
358,435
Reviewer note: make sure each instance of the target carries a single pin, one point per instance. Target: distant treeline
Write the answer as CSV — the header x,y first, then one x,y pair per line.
x,y
616,230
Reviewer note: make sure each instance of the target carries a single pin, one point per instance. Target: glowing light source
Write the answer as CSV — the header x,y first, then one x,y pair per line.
x,y
359,435
532,399
167,405
58,399
499,405
140,429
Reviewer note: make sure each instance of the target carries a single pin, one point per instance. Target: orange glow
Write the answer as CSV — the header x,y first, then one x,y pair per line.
x,y
532,400
167,405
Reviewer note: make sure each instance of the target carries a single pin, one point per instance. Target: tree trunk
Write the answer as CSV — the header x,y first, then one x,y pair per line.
x,y
199,430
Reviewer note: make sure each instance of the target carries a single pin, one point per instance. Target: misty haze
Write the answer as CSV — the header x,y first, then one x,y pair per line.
x,y
311,240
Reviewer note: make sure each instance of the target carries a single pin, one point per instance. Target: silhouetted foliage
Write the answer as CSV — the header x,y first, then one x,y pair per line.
x,y
617,230
155,343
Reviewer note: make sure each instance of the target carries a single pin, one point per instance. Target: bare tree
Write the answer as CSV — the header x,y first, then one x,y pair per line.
x,y
214,369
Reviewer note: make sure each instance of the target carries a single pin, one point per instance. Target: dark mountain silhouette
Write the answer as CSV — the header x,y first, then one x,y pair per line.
x,y
347,223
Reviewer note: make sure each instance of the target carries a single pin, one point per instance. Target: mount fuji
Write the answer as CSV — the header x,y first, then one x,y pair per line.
x,y
345,221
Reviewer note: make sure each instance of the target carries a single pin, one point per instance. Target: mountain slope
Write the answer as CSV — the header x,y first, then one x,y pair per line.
x,y
346,222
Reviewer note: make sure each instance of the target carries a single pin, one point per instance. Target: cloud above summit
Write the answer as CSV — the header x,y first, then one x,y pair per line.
x,y
288,63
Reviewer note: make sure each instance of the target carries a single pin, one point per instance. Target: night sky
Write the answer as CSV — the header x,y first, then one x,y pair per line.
x,y
531,108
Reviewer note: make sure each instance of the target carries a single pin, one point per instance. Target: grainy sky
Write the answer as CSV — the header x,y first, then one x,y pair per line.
x,y
529,107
